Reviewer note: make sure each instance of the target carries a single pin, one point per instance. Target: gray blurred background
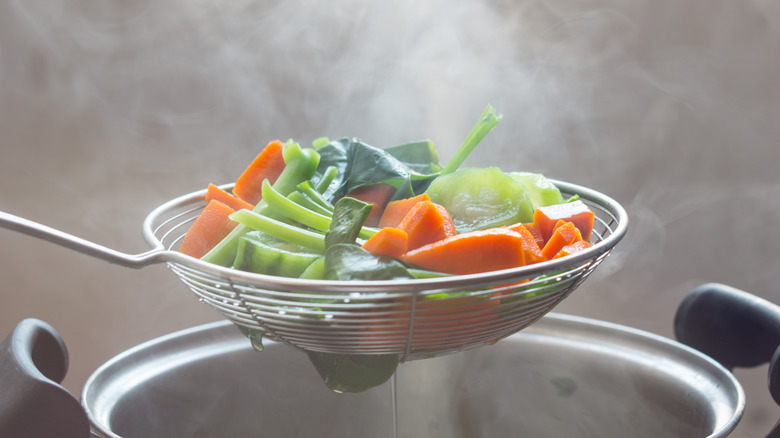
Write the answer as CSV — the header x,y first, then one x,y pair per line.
x,y
109,108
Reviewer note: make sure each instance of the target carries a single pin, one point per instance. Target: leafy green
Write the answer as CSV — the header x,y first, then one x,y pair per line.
x,y
361,164
353,373
409,167
351,262
541,191
480,198
347,221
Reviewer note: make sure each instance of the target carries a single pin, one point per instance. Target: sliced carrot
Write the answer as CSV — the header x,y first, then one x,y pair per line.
x,y
268,164
214,192
576,212
209,228
378,195
573,248
533,252
564,234
467,253
536,232
387,241
448,226
395,211
424,224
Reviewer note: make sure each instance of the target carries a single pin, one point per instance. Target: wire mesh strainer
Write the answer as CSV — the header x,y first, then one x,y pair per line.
x,y
415,319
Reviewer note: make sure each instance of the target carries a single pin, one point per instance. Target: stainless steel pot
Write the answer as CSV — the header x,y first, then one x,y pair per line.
x,y
562,376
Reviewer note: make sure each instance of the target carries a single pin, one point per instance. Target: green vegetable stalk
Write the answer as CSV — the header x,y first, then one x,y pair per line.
x,y
252,220
300,164
260,252
485,124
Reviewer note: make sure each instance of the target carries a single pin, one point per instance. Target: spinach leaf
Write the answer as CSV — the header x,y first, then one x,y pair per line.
x,y
352,372
360,164
409,167
351,262
349,214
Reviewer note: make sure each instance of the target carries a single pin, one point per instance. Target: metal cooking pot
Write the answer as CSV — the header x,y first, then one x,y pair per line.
x,y
562,376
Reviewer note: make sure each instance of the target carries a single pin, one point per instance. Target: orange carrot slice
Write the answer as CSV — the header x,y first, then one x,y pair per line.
x,y
214,192
564,234
395,211
536,232
424,224
378,195
533,252
268,164
468,253
573,248
209,228
576,212
448,226
388,241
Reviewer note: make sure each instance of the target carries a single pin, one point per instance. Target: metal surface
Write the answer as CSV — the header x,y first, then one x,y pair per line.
x,y
563,376
413,319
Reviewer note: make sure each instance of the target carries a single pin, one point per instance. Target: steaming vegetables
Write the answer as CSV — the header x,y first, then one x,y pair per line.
x,y
345,210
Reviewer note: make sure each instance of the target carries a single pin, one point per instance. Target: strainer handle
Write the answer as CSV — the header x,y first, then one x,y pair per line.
x,y
35,229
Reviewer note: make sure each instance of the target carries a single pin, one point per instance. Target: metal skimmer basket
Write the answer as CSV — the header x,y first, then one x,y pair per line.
x,y
415,319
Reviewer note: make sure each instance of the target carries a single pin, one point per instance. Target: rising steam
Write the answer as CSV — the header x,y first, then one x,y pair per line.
x,y
109,108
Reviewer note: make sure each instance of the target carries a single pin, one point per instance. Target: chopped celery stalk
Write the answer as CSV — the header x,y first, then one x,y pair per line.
x,y
224,252
305,238
320,142
327,177
422,273
312,193
264,254
299,165
301,199
366,232
315,271
299,213
487,121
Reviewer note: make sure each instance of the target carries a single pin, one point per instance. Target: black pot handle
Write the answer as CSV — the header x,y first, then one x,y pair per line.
x,y
33,362
733,327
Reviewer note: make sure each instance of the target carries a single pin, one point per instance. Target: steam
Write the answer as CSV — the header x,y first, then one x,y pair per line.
x,y
387,72
645,103
671,109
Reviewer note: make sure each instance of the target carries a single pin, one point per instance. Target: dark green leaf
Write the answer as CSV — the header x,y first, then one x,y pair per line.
x,y
351,262
353,373
349,215
360,164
